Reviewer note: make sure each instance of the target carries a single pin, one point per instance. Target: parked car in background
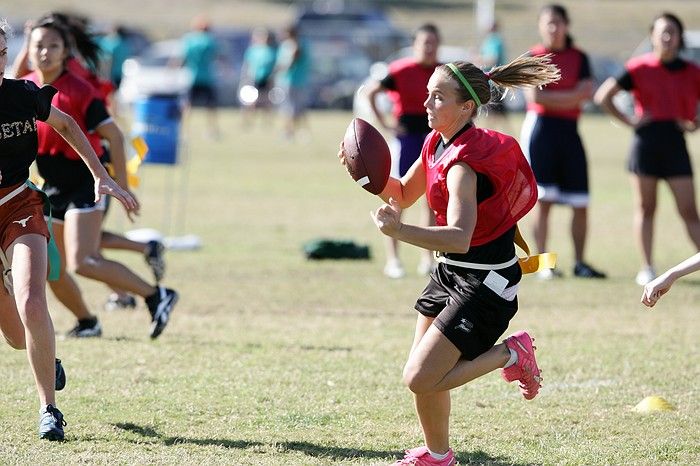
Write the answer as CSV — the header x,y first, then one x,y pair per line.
x,y
345,38
155,71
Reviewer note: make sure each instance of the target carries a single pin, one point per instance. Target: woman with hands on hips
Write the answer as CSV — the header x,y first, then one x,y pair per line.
x,y
479,184
666,92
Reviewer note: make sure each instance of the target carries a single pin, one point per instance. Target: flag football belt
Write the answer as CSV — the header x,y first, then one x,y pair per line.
x,y
54,257
528,264
532,264
440,257
497,283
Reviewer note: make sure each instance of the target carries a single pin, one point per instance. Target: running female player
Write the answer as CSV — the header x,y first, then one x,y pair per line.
x,y
79,218
551,141
666,91
478,184
24,317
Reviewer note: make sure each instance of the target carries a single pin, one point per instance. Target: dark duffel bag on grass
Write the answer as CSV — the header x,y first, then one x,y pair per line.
x,y
335,249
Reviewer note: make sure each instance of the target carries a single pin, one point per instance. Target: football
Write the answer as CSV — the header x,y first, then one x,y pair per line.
x,y
367,155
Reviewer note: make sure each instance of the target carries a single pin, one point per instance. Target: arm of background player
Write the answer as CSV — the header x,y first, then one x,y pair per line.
x,y
562,100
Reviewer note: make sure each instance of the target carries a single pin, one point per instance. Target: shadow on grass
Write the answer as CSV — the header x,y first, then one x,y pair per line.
x,y
482,458
309,449
151,433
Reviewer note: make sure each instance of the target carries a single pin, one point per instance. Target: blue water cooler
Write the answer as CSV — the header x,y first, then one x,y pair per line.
x,y
157,120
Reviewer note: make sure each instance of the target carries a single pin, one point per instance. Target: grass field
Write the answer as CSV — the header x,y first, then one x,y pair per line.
x,y
270,359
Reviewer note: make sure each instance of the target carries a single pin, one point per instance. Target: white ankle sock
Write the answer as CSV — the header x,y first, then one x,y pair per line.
x,y
513,358
439,456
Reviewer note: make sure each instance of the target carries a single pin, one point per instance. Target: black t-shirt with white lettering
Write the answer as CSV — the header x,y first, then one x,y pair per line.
x,y
21,104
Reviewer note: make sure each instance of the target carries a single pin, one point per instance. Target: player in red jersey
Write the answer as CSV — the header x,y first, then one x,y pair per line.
x,y
84,58
79,218
551,141
24,317
666,91
479,184
405,85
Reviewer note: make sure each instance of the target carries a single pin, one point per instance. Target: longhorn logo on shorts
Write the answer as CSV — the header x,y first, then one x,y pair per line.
x,y
465,326
23,222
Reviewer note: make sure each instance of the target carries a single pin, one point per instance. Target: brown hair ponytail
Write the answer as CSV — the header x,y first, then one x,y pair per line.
x,y
524,71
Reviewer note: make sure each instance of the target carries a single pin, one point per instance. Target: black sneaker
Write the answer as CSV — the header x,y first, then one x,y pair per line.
x,y
161,304
117,301
86,328
583,270
51,423
60,376
154,259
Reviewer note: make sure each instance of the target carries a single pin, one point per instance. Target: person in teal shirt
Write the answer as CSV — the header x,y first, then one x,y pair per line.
x,y
293,68
492,52
116,50
200,52
258,67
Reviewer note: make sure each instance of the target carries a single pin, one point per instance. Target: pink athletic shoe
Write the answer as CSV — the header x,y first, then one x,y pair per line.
x,y
525,370
421,457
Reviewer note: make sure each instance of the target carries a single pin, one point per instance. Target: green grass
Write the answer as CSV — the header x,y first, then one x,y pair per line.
x,y
270,359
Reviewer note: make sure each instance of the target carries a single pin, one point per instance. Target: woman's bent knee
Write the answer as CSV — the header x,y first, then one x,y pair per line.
x,y
416,382
85,267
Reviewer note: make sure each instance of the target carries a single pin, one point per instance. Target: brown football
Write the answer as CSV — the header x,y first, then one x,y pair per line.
x,y
367,155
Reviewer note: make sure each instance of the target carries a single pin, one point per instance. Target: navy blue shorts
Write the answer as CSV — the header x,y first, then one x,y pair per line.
x,y
411,145
558,159
659,150
467,311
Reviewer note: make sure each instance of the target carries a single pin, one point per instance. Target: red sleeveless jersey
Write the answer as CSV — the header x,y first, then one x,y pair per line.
x,y
104,88
498,157
661,93
410,86
73,97
569,61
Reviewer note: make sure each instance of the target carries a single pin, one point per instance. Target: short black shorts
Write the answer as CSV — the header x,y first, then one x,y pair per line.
x,y
558,160
466,311
80,198
659,150
203,96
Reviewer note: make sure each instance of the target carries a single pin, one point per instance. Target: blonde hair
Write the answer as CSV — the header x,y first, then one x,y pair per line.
x,y
524,71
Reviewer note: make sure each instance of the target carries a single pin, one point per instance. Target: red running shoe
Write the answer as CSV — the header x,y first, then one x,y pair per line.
x,y
421,457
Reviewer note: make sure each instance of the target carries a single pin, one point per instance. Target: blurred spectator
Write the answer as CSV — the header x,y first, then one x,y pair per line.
x,y
115,49
293,67
258,66
200,51
492,52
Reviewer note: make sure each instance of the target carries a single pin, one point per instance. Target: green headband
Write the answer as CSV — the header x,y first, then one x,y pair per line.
x,y
466,83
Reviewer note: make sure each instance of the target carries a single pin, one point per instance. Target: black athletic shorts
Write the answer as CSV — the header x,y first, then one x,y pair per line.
x,y
203,96
558,160
659,150
80,198
467,311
